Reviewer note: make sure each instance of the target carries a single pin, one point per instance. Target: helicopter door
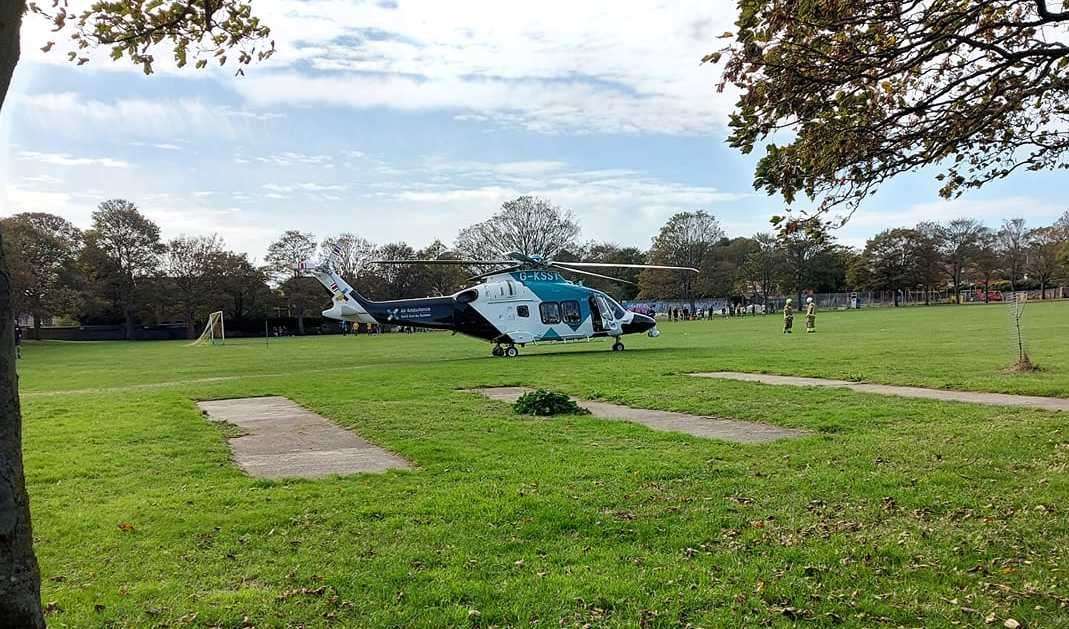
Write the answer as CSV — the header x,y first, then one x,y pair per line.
x,y
609,323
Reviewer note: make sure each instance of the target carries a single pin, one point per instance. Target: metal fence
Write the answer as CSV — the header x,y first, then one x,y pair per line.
x,y
711,307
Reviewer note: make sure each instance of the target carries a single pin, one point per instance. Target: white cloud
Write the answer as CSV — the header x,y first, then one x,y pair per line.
x,y
290,158
65,159
552,66
76,116
304,187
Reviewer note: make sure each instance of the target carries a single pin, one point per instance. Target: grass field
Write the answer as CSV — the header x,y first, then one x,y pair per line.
x,y
893,512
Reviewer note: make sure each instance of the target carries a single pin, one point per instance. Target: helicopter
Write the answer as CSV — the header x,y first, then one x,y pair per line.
x,y
520,299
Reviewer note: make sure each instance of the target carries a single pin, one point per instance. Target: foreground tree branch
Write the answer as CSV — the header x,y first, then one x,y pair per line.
x,y
871,89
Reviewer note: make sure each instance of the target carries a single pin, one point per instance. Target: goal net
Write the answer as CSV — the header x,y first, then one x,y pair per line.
x,y
214,332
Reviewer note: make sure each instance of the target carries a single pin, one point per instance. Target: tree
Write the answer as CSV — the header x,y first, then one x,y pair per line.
x,y
42,250
285,254
438,279
1044,245
242,287
610,253
725,275
687,239
353,253
190,266
397,281
762,265
869,89
20,579
302,294
887,262
532,226
129,247
958,241
1013,241
927,258
802,254
986,261
196,31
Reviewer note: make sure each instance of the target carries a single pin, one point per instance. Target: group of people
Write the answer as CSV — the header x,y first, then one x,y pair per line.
x,y
810,316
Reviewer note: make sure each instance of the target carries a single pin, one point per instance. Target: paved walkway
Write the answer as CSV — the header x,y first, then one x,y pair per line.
x,y
991,399
284,440
667,421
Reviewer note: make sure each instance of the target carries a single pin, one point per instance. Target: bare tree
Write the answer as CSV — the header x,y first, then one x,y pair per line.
x,y
353,253
1044,245
529,225
285,254
1013,241
958,241
986,262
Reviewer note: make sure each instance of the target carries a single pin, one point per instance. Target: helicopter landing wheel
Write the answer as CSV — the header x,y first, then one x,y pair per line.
x,y
498,351
617,346
511,351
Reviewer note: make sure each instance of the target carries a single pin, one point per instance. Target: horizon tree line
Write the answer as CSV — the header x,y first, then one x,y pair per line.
x,y
120,270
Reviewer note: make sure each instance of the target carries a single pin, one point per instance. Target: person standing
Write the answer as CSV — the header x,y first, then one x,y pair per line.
x,y
18,341
788,316
810,316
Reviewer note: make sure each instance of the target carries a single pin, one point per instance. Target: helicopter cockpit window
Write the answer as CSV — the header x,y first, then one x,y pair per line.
x,y
570,311
617,310
550,311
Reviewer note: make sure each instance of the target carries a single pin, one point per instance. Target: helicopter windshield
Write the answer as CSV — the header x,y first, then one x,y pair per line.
x,y
617,310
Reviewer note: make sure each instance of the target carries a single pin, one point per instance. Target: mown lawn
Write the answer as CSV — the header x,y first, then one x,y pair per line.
x,y
893,512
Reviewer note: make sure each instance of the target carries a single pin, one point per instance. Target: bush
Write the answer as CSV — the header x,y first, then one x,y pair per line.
x,y
545,403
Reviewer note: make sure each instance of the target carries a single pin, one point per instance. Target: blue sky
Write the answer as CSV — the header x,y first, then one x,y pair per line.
x,y
409,121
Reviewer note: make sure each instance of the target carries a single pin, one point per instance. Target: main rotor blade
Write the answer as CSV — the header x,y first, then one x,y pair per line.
x,y
604,277
453,262
480,276
607,265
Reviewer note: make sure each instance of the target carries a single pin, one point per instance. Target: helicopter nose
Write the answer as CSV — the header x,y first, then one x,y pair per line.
x,y
639,323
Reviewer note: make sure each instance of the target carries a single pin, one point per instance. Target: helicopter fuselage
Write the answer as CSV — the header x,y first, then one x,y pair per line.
x,y
512,308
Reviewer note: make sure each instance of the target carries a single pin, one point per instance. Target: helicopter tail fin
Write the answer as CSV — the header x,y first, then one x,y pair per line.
x,y
347,302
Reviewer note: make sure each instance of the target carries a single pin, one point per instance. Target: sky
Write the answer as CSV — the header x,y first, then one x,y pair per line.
x,y
402,120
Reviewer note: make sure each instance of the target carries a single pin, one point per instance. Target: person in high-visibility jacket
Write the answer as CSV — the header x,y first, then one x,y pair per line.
x,y
788,317
810,316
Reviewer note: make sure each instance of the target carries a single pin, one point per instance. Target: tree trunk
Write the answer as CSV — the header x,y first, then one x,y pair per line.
x,y
191,331
10,23
20,580
36,327
987,292
128,323
300,323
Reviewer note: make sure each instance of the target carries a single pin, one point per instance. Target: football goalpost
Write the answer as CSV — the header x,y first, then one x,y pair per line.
x,y
214,332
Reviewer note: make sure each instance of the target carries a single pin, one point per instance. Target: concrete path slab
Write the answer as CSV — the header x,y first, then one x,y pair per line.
x,y
667,421
991,399
284,440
